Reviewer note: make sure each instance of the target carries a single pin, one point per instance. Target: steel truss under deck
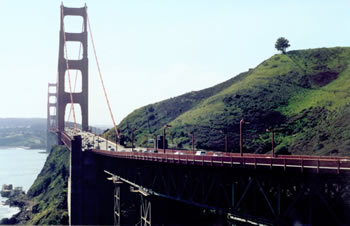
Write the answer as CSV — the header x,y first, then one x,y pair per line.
x,y
264,196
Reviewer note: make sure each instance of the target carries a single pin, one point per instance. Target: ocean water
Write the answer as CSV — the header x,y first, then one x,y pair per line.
x,y
18,167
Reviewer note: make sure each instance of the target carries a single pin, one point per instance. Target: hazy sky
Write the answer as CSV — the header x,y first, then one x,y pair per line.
x,y
153,50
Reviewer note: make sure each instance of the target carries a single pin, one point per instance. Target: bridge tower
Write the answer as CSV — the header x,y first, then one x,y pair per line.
x,y
51,107
63,97
51,115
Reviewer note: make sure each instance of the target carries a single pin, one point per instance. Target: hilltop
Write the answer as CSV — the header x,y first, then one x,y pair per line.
x,y
303,95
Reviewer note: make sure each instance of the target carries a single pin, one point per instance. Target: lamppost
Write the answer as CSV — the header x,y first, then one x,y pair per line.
x,y
116,142
106,142
241,135
225,134
192,134
272,141
147,141
132,139
155,142
164,128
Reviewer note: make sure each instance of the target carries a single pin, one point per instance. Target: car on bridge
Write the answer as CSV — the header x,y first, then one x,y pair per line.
x,y
201,152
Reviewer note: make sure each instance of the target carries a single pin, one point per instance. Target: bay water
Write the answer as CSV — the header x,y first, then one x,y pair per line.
x,y
18,167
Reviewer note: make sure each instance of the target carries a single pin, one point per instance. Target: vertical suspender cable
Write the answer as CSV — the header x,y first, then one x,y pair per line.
x,y
67,67
100,74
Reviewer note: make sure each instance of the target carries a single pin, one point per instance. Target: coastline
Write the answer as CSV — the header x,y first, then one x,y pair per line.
x,y
19,166
23,147
15,147
6,210
24,206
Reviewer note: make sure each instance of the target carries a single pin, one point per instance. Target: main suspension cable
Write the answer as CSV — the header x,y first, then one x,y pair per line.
x,y
67,67
100,74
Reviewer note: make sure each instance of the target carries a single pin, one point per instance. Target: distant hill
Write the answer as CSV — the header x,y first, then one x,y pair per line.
x,y
304,95
23,132
22,122
29,132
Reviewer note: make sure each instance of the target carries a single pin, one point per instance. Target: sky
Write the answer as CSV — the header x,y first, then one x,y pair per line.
x,y
153,50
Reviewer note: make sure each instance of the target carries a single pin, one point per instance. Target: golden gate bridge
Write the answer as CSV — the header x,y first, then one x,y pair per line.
x,y
247,188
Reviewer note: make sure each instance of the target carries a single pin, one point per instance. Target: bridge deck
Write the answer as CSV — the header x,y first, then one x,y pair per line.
x,y
333,164
316,163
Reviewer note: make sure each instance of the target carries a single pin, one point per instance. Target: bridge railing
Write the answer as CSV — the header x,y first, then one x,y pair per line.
x,y
253,155
316,164
67,140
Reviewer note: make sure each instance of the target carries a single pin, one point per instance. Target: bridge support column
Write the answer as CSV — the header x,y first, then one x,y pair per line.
x,y
145,211
233,195
117,212
75,200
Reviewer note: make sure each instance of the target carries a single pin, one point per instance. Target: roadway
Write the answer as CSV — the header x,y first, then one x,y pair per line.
x,y
102,146
93,141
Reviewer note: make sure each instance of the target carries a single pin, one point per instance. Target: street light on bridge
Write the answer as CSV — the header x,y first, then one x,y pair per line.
x,y
155,142
241,135
132,139
116,142
225,134
164,128
272,141
192,134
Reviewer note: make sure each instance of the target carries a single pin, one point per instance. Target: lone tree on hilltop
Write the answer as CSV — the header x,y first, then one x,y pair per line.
x,y
282,44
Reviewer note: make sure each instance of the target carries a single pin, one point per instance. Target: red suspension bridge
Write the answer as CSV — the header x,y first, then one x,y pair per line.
x,y
249,188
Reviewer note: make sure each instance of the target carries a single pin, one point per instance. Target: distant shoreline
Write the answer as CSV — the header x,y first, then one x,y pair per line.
x,y
21,147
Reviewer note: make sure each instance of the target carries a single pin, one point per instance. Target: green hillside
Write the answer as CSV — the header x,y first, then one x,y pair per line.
x,y
49,190
304,95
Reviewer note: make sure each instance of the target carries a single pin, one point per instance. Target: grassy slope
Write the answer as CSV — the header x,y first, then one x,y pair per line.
x,y
303,94
332,95
49,190
150,118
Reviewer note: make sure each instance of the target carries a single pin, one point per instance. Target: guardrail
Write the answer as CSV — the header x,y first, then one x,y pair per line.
x,y
67,140
334,164
224,159
251,154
